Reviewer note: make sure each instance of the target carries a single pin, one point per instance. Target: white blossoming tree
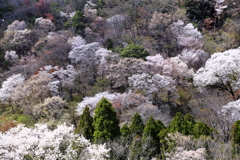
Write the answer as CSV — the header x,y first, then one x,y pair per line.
x,y
61,78
231,112
76,41
187,35
8,87
157,87
194,58
222,70
41,143
11,56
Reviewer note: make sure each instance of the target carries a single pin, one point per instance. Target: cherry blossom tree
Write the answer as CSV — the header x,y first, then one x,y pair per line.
x,y
222,70
61,78
76,41
17,38
231,112
31,92
50,110
219,7
119,73
157,87
187,35
84,53
157,64
11,56
194,58
173,67
41,143
8,87
44,24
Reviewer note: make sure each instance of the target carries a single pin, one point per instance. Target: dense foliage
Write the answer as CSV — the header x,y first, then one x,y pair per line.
x,y
139,79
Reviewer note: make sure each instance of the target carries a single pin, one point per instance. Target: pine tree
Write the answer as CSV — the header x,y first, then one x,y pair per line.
x,y
85,126
137,125
106,125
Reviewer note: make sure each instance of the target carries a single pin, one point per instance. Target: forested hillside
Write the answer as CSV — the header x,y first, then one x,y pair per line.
x,y
120,79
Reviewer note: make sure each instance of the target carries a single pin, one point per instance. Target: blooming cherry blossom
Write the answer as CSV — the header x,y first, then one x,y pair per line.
x,y
222,69
40,142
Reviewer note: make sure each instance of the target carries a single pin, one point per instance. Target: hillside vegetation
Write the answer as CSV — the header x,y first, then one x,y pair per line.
x,y
120,79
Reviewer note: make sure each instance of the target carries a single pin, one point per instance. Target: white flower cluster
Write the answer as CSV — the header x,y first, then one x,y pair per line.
x,y
67,15
76,41
42,143
44,24
187,35
11,56
221,68
60,77
152,85
8,86
219,7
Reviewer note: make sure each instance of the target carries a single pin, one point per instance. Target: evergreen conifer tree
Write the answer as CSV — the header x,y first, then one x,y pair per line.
x,y
235,133
200,129
125,131
235,136
137,125
177,124
189,122
150,140
106,125
85,126
135,149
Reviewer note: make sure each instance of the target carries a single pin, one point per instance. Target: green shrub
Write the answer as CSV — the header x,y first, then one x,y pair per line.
x,y
135,51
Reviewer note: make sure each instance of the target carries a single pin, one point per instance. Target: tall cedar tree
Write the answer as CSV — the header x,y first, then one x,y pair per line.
x,y
190,122
106,125
137,125
125,131
85,126
235,136
150,137
200,129
177,124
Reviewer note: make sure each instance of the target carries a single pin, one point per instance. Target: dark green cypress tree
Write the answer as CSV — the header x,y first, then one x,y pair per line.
x,y
135,149
235,133
125,131
164,147
150,140
78,23
137,125
85,126
176,125
235,137
160,125
106,125
201,129
189,124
